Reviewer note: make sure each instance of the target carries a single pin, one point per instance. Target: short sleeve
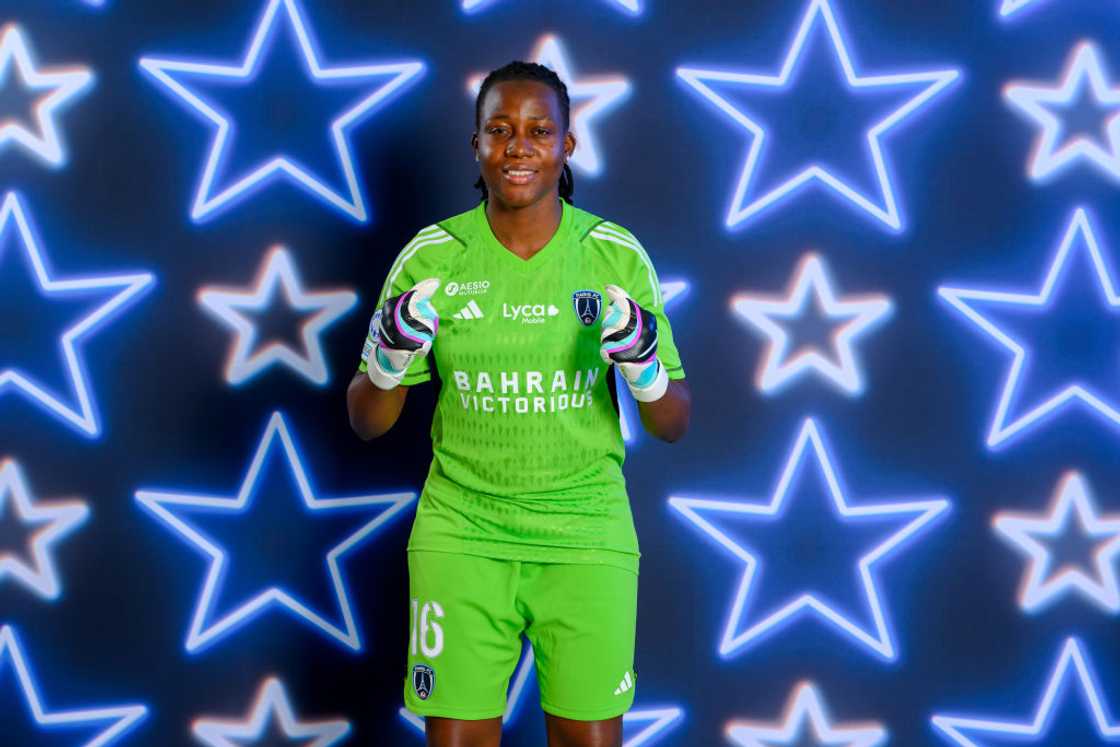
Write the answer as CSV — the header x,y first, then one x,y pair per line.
x,y
645,288
412,265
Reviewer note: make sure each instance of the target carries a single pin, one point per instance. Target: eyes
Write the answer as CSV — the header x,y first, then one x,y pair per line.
x,y
540,131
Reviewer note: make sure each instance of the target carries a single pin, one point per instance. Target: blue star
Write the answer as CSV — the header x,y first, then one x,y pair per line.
x,y
749,201
745,626
811,292
805,712
211,196
1072,670
1078,242
633,7
111,722
1039,538
628,420
272,706
120,291
640,727
207,626
63,87
1050,156
277,272
54,522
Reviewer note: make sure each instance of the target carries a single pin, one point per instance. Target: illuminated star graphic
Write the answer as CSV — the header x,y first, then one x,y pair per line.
x,y
640,727
111,723
51,523
207,624
745,626
55,89
628,419
750,199
278,273
180,77
1078,246
272,708
1072,671
805,716
1085,75
632,7
811,293
1038,536
118,290
590,98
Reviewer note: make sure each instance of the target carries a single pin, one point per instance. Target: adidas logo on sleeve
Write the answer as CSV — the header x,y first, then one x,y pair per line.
x,y
625,686
470,311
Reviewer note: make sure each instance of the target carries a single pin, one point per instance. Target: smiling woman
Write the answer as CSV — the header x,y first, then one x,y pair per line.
x,y
524,525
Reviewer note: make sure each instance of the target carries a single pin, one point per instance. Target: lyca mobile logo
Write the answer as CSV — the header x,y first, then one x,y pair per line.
x,y
530,313
473,288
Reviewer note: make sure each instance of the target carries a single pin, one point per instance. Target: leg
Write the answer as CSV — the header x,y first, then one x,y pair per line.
x,y
453,732
581,625
563,732
464,640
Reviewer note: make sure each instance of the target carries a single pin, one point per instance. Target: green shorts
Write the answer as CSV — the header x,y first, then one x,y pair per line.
x,y
467,617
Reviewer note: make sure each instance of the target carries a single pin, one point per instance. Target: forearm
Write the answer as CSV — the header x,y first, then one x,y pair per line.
x,y
373,411
667,418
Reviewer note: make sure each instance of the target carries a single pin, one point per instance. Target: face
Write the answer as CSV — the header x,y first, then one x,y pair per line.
x,y
521,143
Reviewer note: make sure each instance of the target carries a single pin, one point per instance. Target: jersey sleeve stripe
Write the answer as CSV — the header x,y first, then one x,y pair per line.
x,y
637,249
416,245
427,233
622,233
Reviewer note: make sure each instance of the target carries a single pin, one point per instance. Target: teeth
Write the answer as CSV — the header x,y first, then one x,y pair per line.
x,y
518,172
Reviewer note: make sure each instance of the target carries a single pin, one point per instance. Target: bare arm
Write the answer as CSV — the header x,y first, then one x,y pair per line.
x,y
373,411
667,418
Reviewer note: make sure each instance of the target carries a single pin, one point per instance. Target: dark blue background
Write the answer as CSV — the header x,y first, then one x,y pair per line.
x,y
169,419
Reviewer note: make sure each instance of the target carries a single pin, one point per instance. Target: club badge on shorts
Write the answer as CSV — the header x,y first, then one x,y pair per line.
x,y
423,681
587,305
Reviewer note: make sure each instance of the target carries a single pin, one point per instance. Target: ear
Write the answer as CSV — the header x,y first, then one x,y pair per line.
x,y
474,144
569,144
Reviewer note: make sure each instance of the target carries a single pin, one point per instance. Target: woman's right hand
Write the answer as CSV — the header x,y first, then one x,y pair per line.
x,y
399,332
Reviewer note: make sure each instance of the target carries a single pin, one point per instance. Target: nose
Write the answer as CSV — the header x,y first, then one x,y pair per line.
x,y
519,146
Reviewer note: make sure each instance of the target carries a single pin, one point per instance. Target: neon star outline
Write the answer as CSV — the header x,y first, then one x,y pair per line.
x,y
277,272
62,518
671,291
1000,431
84,417
1072,498
881,641
888,213
661,719
600,95
201,634
633,7
862,314
1009,8
125,717
805,706
205,204
1048,159
1073,657
67,83
271,701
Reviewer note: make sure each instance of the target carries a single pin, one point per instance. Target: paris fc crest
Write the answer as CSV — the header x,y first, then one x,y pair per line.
x,y
587,305
423,681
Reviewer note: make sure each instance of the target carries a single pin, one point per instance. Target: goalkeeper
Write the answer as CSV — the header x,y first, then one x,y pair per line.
x,y
522,305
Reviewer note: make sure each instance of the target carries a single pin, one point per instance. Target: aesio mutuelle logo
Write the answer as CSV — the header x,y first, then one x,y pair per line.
x,y
473,288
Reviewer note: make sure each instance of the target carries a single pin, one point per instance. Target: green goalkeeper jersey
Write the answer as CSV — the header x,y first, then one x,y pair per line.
x,y
527,451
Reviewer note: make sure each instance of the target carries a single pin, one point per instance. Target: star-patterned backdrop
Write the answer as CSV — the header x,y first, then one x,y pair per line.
x,y
888,245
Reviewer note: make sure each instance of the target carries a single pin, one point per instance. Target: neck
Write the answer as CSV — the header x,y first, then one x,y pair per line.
x,y
525,230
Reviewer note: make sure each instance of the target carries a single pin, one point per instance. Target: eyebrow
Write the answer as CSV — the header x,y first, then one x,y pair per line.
x,y
507,116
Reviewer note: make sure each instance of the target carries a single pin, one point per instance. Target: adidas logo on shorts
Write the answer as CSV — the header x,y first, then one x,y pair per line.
x,y
470,311
625,686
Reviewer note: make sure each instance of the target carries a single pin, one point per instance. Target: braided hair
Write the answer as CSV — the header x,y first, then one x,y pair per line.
x,y
532,71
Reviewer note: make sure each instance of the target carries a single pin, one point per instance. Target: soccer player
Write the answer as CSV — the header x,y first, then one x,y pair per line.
x,y
522,305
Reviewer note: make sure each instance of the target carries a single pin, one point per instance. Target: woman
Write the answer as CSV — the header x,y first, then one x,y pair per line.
x,y
524,525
